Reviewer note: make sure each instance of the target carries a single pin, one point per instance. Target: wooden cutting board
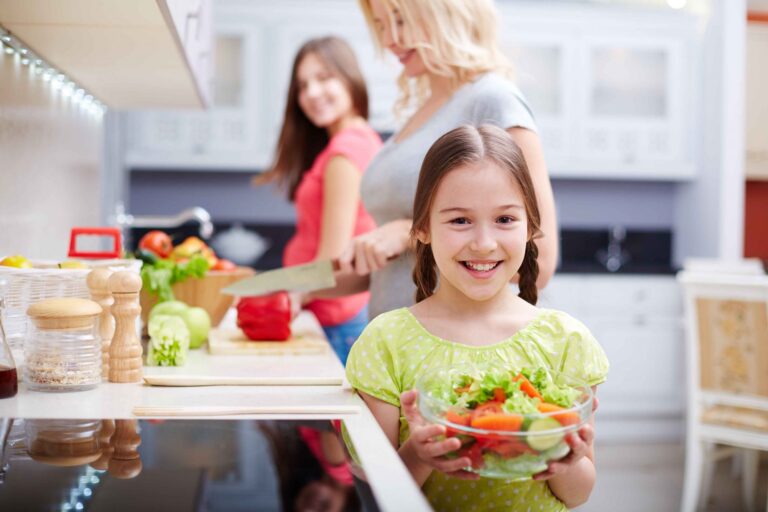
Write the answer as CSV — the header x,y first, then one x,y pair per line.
x,y
307,338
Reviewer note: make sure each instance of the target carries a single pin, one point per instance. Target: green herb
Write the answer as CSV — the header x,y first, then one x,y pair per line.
x,y
159,277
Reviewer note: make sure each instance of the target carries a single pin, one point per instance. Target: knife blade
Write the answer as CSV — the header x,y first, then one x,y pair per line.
x,y
299,278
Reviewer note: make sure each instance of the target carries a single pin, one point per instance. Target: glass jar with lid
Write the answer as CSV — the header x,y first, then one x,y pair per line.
x,y
63,442
62,349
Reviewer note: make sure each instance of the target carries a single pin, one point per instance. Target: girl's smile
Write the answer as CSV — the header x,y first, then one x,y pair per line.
x,y
481,269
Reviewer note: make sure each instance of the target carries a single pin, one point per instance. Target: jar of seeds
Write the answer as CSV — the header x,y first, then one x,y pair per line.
x,y
62,349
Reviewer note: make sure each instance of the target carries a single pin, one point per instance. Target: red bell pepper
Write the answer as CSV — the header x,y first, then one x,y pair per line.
x,y
266,317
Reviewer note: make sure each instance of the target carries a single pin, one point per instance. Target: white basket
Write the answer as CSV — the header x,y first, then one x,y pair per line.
x,y
25,286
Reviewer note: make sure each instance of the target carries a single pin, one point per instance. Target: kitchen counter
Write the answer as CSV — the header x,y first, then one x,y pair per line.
x,y
383,467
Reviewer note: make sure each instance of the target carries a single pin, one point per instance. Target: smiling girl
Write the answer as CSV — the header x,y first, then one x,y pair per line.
x,y
475,223
325,145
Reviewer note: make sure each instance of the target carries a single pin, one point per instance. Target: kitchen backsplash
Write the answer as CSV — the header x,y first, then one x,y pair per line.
x,y
260,218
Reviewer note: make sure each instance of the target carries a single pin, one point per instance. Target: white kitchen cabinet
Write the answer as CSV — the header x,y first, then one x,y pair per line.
x,y
138,54
638,322
229,135
611,89
255,44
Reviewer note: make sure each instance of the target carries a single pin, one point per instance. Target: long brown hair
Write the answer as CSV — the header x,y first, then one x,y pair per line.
x,y
468,145
301,141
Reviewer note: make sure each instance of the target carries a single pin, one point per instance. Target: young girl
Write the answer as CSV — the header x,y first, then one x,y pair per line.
x,y
325,145
475,222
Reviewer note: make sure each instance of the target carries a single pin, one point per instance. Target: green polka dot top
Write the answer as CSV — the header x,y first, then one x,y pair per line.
x,y
395,350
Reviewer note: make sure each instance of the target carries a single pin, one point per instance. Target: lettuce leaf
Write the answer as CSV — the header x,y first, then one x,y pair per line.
x,y
168,341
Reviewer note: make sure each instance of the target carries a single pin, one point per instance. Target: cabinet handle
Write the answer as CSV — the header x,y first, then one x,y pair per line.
x,y
193,16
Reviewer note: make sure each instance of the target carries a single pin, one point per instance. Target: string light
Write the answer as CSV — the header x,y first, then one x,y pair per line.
x,y
69,89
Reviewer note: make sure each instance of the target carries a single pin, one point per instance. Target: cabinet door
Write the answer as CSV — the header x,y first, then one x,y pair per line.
x,y
290,33
633,106
542,63
227,135
647,372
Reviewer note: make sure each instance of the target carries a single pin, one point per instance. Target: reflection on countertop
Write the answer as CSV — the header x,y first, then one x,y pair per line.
x,y
171,465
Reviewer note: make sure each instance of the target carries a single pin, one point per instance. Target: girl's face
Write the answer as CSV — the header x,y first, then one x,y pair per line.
x,y
478,231
323,96
408,57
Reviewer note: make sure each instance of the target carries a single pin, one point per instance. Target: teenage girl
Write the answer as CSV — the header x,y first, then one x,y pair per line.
x,y
325,145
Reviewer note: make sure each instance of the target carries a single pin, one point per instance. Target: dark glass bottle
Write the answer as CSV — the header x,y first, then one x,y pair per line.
x,y
9,381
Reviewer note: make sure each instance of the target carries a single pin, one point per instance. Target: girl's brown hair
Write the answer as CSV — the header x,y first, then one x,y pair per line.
x,y
301,141
468,145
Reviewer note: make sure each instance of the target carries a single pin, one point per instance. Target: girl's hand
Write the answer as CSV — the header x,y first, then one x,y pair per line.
x,y
580,442
370,252
427,449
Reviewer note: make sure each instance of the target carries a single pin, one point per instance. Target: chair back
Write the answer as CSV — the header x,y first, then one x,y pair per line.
x,y
727,335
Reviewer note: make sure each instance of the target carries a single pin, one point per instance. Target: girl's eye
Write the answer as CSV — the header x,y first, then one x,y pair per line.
x,y
505,219
460,221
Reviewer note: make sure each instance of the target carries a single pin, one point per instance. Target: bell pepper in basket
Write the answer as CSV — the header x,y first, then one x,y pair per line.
x,y
266,317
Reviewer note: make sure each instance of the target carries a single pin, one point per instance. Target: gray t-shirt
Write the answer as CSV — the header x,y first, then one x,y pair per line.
x,y
389,182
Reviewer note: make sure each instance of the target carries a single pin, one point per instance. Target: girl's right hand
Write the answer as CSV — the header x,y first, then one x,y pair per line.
x,y
371,251
430,451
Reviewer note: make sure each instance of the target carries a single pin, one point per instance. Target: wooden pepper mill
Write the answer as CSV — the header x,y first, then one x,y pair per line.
x,y
126,461
125,350
97,283
105,443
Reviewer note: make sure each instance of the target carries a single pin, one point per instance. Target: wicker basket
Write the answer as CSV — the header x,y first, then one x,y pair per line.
x,y
25,286
204,292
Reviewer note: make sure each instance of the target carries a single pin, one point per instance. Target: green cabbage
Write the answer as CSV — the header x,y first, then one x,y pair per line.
x,y
168,341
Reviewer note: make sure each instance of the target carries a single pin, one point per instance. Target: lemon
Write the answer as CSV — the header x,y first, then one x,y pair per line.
x,y
17,261
72,264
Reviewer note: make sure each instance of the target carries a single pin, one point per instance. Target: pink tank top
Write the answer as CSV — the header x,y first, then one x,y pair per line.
x,y
359,144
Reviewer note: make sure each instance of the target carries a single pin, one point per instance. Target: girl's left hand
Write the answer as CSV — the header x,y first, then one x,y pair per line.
x,y
580,442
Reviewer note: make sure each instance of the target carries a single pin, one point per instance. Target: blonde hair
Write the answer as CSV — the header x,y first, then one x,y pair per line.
x,y
454,38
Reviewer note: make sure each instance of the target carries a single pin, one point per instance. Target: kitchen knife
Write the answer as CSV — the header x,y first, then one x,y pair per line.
x,y
299,278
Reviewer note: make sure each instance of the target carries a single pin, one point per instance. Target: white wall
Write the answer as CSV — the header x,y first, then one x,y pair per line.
x,y
50,165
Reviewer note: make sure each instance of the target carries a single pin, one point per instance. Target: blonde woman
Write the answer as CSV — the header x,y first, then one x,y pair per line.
x,y
453,74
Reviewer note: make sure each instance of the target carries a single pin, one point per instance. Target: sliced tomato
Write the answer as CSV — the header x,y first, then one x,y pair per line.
x,y
509,447
475,454
526,386
499,395
486,408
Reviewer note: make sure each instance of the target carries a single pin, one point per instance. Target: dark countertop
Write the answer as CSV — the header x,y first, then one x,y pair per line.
x,y
594,268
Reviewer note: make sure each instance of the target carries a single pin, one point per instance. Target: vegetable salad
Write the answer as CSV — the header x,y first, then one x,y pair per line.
x,y
510,424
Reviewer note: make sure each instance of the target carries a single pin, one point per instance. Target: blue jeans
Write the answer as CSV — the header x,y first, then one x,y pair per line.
x,y
342,336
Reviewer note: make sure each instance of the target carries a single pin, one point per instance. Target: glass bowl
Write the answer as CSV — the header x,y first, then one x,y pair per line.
x,y
505,434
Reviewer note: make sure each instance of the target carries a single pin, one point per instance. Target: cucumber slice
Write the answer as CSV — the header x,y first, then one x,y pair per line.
x,y
539,441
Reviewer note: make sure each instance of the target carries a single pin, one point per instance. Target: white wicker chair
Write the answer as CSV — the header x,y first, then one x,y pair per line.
x,y
726,317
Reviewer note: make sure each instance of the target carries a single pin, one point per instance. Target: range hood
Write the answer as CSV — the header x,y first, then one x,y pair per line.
x,y
129,54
